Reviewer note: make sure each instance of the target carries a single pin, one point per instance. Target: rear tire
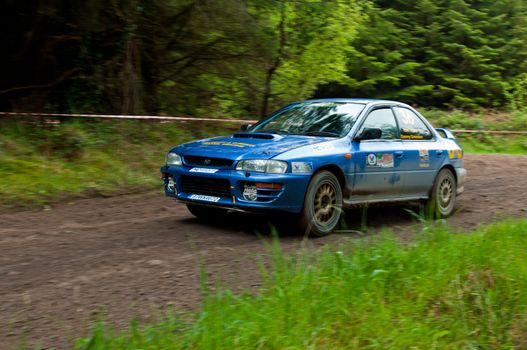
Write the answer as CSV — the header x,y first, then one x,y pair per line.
x,y
204,212
322,205
442,199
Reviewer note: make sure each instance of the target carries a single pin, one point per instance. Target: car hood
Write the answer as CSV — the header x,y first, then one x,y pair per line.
x,y
246,145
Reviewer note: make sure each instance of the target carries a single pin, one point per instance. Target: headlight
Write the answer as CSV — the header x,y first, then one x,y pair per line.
x,y
173,159
263,166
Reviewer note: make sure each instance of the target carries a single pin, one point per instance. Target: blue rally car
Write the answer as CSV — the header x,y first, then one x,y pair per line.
x,y
313,158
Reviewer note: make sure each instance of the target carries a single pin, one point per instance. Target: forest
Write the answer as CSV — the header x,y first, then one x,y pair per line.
x,y
248,57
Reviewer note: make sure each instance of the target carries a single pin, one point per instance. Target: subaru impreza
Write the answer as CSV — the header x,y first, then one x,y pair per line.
x,y
311,159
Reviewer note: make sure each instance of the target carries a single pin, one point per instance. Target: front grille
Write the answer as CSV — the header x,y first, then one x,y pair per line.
x,y
206,186
208,161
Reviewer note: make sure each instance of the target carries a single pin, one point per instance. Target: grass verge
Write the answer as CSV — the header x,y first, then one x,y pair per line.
x,y
485,143
42,162
484,120
443,291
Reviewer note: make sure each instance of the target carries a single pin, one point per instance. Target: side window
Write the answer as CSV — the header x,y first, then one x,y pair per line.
x,y
383,119
411,126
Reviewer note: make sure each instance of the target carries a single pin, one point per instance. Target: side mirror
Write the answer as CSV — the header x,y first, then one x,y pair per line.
x,y
369,134
245,127
445,133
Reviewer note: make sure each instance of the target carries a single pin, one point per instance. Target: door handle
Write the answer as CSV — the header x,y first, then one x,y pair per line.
x,y
439,152
399,154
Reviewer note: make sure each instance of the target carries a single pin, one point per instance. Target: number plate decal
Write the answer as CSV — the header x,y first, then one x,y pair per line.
x,y
201,197
203,170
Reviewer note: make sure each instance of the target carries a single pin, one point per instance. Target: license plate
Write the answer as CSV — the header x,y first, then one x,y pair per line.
x,y
201,197
203,170
171,186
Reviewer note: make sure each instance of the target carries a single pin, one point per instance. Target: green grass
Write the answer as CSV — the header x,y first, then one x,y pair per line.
x,y
485,120
443,291
41,163
485,143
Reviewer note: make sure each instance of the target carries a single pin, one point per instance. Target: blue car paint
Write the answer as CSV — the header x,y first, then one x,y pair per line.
x,y
240,148
293,187
406,180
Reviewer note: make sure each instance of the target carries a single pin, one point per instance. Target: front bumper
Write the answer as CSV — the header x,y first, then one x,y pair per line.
x,y
182,184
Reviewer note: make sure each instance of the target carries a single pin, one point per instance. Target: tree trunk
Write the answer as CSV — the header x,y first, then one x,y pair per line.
x,y
268,88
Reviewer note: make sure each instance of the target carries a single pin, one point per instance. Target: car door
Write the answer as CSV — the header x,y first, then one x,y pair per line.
x,y
422,157
378,163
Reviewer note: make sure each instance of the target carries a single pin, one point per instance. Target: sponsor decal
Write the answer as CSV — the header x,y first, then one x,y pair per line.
x,y
371,159
380,160
457,153
423,155
201,197
250,192
411,134
323,148
203,170
406,116
171,186
227,143
412,137
321,104
385,160
424,158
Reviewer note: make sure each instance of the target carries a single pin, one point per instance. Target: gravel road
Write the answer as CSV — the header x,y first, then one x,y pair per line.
x,y
134,255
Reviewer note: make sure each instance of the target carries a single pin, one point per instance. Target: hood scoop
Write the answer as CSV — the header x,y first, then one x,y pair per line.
x,y
253,135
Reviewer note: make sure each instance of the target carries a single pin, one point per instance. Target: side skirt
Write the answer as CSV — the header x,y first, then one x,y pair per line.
x,y
357,202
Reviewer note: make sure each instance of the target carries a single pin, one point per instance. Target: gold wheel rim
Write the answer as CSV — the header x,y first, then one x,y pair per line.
x,y
325,203
445,192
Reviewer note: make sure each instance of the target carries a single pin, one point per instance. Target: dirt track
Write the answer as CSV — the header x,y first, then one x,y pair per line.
x,y
135,255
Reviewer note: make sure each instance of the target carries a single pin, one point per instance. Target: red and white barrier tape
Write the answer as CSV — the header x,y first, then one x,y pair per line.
x,y
240,121
503,132
144,117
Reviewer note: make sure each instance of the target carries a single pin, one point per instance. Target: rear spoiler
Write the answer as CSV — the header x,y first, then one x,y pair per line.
x,y
445,133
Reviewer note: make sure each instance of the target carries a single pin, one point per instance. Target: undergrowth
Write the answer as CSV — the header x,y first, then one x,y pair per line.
x,y
443,291
485,120
43,162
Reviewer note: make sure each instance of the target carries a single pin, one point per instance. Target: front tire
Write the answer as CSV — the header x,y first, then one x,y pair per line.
x,y
443,196
322,205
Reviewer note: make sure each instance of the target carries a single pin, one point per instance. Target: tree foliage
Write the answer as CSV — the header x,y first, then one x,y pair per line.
x,y
445,53
247,57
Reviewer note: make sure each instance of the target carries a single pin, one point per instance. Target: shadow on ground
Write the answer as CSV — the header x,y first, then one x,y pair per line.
x,y
355,220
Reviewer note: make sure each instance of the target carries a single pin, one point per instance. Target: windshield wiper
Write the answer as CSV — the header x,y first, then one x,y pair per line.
x,y
321,133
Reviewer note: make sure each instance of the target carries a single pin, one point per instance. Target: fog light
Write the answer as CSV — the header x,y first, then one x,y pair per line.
x,y
250,192
171,185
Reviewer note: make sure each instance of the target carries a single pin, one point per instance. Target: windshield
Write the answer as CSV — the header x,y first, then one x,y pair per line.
x,y
332,119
